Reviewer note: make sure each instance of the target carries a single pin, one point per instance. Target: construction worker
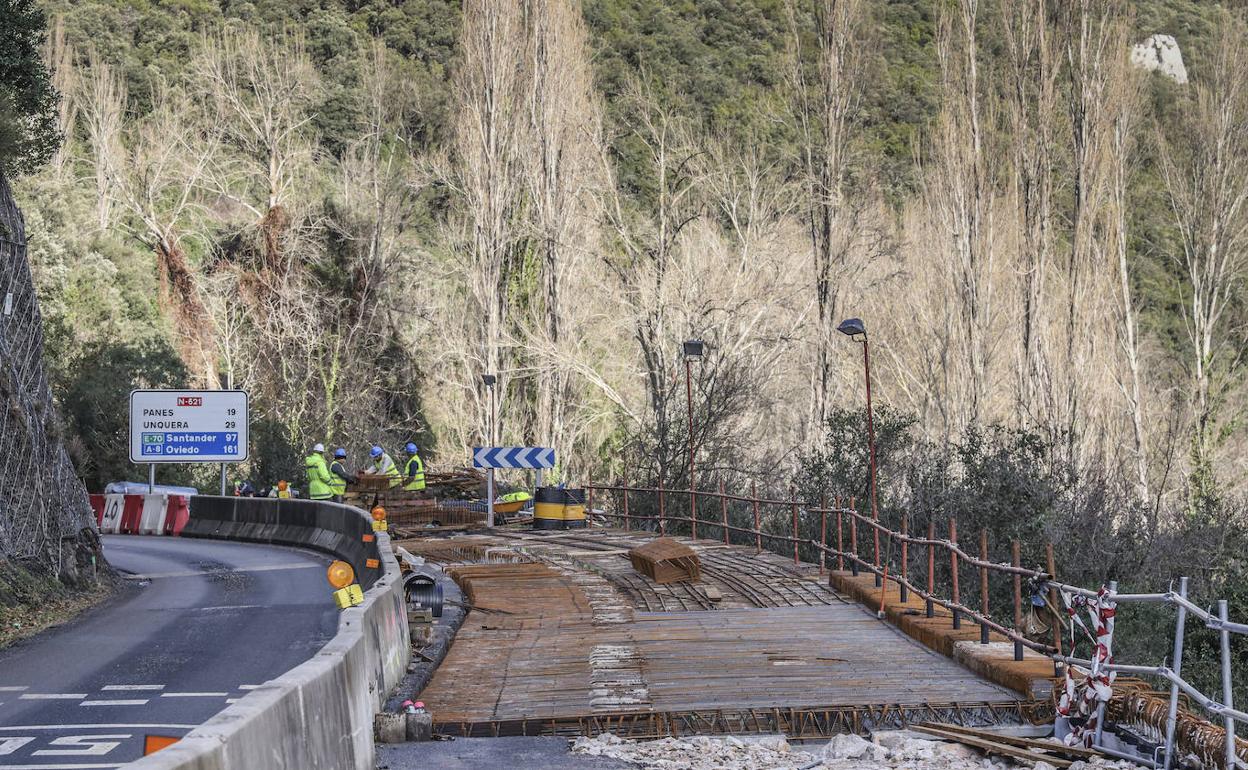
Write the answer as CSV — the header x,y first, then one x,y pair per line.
x,y
413,469
318,474
383,465
338,468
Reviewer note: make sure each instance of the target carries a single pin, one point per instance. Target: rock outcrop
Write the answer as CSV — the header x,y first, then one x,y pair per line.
x,y
46,524
1160,53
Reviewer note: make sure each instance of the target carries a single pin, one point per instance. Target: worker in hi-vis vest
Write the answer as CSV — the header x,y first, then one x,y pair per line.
x,y
318,474
413,469
383,465
338,469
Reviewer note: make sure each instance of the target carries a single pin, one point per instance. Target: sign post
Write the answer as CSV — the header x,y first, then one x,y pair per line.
x,y
509,457
187,426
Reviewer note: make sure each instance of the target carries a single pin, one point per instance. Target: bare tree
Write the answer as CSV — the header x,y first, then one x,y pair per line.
x,y
1033,68
825,96
486,177
165,159
1203,159
103,111
563,125
1123,109
1093,37
646,237
262,92
59,56
960,191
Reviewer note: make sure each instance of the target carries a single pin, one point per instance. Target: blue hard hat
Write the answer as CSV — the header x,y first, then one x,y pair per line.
x,y
411,448
375,451
340,452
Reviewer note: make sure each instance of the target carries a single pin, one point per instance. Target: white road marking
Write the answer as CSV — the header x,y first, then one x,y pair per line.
x,y
24,728
142,702
54,696
250,686
193,694
231,700
14,689
82,745
200,573
133,687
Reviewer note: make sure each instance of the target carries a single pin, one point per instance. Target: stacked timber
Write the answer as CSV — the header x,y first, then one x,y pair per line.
x,y
664,560
533,588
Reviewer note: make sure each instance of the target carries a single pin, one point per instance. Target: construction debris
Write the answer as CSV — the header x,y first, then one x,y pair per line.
x,y
889,750
664,561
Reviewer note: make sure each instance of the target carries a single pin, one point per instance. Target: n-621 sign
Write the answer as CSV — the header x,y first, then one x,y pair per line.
x,y
188,426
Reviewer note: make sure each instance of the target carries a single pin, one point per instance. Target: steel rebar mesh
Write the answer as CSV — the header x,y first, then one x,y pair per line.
x,y
45,518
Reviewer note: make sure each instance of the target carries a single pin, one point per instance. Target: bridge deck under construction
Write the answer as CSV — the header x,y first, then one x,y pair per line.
x,y
566,637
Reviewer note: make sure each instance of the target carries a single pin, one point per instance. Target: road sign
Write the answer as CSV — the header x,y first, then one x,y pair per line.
x,y
513,457
188,426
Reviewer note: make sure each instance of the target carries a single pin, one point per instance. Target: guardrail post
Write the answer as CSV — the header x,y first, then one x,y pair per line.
x,y
1228,699
853,538
758,530
875,516
1176,665
1055,600
931,567
983,584
1016,558
793,504
823,532
903,590
723,504
693,511
953,557
625,503
589,500
840,537
662,522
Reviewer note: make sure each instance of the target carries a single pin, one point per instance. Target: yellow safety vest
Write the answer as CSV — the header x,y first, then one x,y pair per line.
x,y
415,472
338,484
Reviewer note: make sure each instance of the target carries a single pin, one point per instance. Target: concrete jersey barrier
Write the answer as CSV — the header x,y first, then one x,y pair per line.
x,y
320,713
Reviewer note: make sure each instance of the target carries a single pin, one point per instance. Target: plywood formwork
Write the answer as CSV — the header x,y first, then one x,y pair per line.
x,y
565,649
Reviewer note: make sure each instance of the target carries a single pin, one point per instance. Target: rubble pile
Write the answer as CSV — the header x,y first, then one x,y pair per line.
x,y
899,750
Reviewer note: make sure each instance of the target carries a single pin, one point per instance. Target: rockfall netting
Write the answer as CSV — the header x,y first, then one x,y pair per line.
x,y
45,519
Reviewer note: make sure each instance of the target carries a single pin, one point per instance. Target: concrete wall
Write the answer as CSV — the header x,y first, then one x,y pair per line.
x,y
319,714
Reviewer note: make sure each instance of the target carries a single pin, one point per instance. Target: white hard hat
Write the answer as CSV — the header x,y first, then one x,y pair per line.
x,y
318,448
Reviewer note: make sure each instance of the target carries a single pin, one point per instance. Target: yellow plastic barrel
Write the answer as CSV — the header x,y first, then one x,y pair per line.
x,y
574,508
548,508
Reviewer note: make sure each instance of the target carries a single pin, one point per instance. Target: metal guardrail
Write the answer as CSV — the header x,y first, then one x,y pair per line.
x,y
846,551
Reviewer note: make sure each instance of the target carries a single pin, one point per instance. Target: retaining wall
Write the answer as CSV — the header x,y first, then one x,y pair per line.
x,y
320,713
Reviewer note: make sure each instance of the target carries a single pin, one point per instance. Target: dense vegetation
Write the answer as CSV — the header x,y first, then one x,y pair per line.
x,y
353,209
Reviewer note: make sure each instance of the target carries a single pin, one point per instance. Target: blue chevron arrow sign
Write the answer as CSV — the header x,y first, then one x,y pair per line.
x,y
513,457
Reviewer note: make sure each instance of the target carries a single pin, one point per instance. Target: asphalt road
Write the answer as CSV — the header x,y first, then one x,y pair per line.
x,y
199,623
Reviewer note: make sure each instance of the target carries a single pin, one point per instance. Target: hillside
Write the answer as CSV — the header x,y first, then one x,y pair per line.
x,y
354,210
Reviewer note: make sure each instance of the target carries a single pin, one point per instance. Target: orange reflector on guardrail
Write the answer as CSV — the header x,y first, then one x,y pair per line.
x,y
340,574
154,743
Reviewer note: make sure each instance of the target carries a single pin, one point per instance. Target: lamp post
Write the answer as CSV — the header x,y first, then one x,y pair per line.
x,y
853,327
693,349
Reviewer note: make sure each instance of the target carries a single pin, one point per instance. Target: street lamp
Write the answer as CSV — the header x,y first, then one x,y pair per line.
x,y
853,327
693,349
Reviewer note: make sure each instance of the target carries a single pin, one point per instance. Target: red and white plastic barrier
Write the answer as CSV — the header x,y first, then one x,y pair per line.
x,y
140,514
